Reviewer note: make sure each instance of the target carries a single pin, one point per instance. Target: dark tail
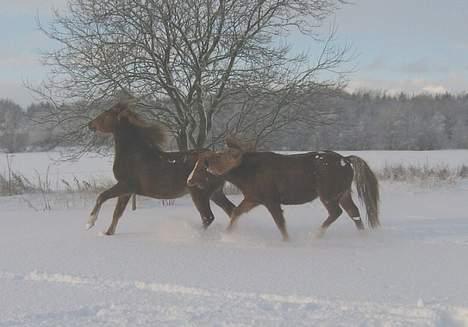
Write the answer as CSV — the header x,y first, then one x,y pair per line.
x,y
367,188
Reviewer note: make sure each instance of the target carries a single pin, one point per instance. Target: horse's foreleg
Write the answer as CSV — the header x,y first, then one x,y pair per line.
x,y
94,215
116,190
222,201
122,202
243,207
277,213
201,199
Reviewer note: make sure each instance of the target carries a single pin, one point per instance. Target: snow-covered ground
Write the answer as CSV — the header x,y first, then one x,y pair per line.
x,y
161,269
97,167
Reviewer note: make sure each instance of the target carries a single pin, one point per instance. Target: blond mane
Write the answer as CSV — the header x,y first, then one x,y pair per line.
x,y
154,134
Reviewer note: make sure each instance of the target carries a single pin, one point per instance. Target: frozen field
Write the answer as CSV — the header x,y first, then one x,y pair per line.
x,y
96,167
161,269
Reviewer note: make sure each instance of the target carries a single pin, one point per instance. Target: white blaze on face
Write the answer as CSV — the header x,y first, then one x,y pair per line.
x,y
193,171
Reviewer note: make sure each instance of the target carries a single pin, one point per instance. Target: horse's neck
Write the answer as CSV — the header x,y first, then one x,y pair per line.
x,y
128,143
237,178
241,175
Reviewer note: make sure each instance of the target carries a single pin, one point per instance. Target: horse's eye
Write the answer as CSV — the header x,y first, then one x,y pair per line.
x,y
206,163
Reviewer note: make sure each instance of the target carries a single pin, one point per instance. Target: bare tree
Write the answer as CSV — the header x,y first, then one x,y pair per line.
x,y
185,59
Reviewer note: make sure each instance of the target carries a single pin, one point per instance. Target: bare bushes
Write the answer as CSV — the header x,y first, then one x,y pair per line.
x,y
14,183
40,192
424,174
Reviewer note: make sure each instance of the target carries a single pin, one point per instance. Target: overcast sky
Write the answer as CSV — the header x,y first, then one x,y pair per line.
x,y
400,45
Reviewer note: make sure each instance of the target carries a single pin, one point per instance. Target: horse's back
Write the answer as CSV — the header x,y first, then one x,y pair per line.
x,y
299,178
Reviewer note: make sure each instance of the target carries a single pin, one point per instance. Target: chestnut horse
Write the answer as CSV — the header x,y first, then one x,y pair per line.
x,y
272,179
141,167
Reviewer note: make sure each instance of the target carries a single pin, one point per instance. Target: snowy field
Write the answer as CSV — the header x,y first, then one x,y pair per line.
x,y
161,269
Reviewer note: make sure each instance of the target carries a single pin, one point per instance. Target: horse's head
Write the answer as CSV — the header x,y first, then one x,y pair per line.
x,y
107,121
215,163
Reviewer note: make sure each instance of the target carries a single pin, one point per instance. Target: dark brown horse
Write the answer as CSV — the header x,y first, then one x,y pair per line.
x,y
141,167
273,179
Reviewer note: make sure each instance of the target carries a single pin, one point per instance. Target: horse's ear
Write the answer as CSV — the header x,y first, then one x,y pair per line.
x,y
234,153
132,102
123,112
122,108
234,143
231,142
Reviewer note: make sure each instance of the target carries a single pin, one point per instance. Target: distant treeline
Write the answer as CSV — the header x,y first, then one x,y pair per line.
x,y
361,121
20,130
376,121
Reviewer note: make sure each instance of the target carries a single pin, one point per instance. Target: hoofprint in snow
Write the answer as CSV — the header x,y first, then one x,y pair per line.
x,y
162,269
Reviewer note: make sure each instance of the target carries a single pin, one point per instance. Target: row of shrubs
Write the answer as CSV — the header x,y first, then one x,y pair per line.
x,y
13,183
421,174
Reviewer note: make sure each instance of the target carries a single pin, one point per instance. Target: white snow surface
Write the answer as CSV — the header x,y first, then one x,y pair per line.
x,y
162,269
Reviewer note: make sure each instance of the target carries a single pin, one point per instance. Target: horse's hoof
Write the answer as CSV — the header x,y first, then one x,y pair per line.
x,y
207,222
320,233
89,226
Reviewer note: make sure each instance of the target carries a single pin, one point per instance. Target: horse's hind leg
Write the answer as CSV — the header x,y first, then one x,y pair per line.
x,y
116,190
122,202
334,211
242,208
202,202
277,213
351,209
222,201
